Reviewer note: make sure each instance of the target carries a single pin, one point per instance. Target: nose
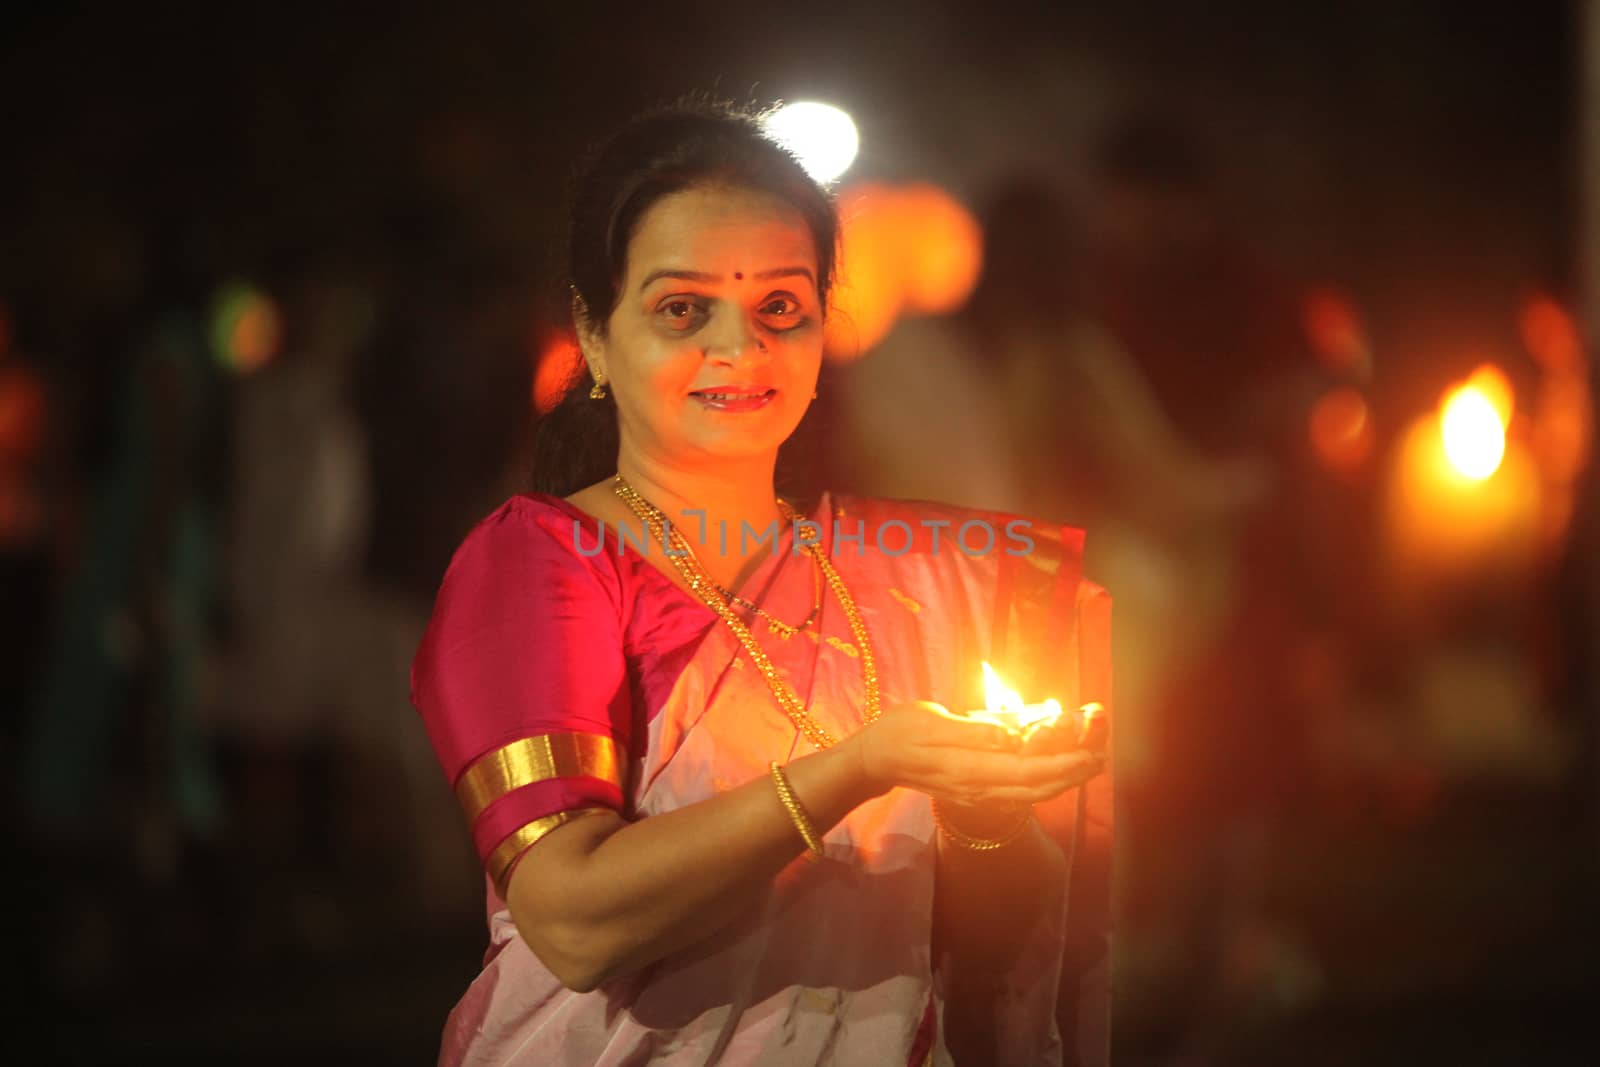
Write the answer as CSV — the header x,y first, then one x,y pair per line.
x,y
735,339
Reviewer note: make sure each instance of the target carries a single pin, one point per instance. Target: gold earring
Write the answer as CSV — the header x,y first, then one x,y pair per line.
x,y
597,391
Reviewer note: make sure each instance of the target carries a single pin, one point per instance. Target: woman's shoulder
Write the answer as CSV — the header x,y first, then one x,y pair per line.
x,y
531,533
532,515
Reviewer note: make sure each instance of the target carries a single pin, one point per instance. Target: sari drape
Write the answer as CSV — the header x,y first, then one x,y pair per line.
x,y
563,673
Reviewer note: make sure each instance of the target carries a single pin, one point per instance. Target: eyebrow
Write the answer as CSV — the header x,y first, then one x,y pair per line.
x,y
702,276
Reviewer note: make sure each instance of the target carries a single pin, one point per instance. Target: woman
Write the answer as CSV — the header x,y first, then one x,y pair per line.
x,y
646,735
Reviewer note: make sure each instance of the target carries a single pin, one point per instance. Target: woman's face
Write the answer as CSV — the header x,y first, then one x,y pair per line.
x,y
715,344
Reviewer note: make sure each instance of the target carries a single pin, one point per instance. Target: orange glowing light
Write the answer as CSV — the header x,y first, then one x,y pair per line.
x,y
255,337
1492,382
1442,520
246,328
1550,334
1563,427
1341,429
948,250
902,249
1563,423
1472,423
1335,332
870,290
556,360
1004,705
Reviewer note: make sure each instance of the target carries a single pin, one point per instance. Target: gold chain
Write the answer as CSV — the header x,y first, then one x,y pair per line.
x,y
701,584
781,629
981,844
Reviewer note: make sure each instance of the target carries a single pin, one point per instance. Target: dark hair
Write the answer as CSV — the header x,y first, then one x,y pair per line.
x,y
658,153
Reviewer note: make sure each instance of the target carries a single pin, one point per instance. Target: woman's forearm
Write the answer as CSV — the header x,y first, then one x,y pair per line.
x,y
603,905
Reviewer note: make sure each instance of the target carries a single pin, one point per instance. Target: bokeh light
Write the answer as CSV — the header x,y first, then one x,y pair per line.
x,y
246,328
1550,334
1563,427
1341,430
870,289
556,359
821,135
912,248
1337,336
1445,521
948,244
1472,423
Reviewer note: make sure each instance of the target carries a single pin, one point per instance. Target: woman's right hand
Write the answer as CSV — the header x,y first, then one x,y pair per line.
x,y
922,746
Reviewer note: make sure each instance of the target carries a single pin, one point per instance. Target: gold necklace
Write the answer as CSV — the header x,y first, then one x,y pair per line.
x,y
781,629
701,584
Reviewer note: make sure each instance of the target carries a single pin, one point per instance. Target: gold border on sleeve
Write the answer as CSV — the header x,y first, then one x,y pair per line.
x,y
535,759
521,839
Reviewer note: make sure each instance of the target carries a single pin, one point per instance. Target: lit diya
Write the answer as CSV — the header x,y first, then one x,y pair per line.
x,y
1005,707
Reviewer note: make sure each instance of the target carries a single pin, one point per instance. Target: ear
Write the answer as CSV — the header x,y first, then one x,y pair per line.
x,y
590,341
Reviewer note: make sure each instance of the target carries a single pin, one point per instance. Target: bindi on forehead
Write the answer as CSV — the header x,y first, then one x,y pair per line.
x,y
738,275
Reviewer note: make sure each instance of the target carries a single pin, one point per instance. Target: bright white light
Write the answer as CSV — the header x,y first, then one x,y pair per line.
x,y
1474,436
822,136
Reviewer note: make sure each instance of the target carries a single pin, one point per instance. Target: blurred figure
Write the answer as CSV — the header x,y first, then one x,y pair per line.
x,y
1213,334
335,780
298,513
1088,435
918,419
138,609
118,788
1211,326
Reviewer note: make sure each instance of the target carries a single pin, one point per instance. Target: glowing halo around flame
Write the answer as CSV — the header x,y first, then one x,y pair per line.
x,y
1005,704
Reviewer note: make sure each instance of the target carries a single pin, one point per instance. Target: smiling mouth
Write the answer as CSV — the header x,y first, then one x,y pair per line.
x,y
733,401
733,394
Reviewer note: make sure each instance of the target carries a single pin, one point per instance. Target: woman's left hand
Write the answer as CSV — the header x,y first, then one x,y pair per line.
x,y
1056,739
1079,766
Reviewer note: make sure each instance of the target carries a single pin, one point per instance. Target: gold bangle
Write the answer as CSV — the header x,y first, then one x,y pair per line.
x,y
796,813
981,844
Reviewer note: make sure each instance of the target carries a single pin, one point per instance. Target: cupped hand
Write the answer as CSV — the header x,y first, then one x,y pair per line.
x,y
923,746
1063,735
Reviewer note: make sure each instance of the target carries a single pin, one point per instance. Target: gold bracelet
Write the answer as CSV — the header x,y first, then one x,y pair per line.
x,y
981,844
796,813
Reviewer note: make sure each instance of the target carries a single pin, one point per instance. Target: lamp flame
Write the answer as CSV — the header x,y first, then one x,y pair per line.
x,y
1005,704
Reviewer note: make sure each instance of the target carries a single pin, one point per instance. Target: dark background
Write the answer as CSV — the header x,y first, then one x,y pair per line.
x,y
214,860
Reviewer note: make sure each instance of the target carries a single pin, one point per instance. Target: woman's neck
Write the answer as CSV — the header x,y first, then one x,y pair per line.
x,y
735,496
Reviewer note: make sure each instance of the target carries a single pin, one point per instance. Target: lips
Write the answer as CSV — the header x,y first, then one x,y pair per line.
x,y
735,397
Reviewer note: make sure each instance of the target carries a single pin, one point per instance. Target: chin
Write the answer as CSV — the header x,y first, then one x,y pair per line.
x,y
741,448
745,442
